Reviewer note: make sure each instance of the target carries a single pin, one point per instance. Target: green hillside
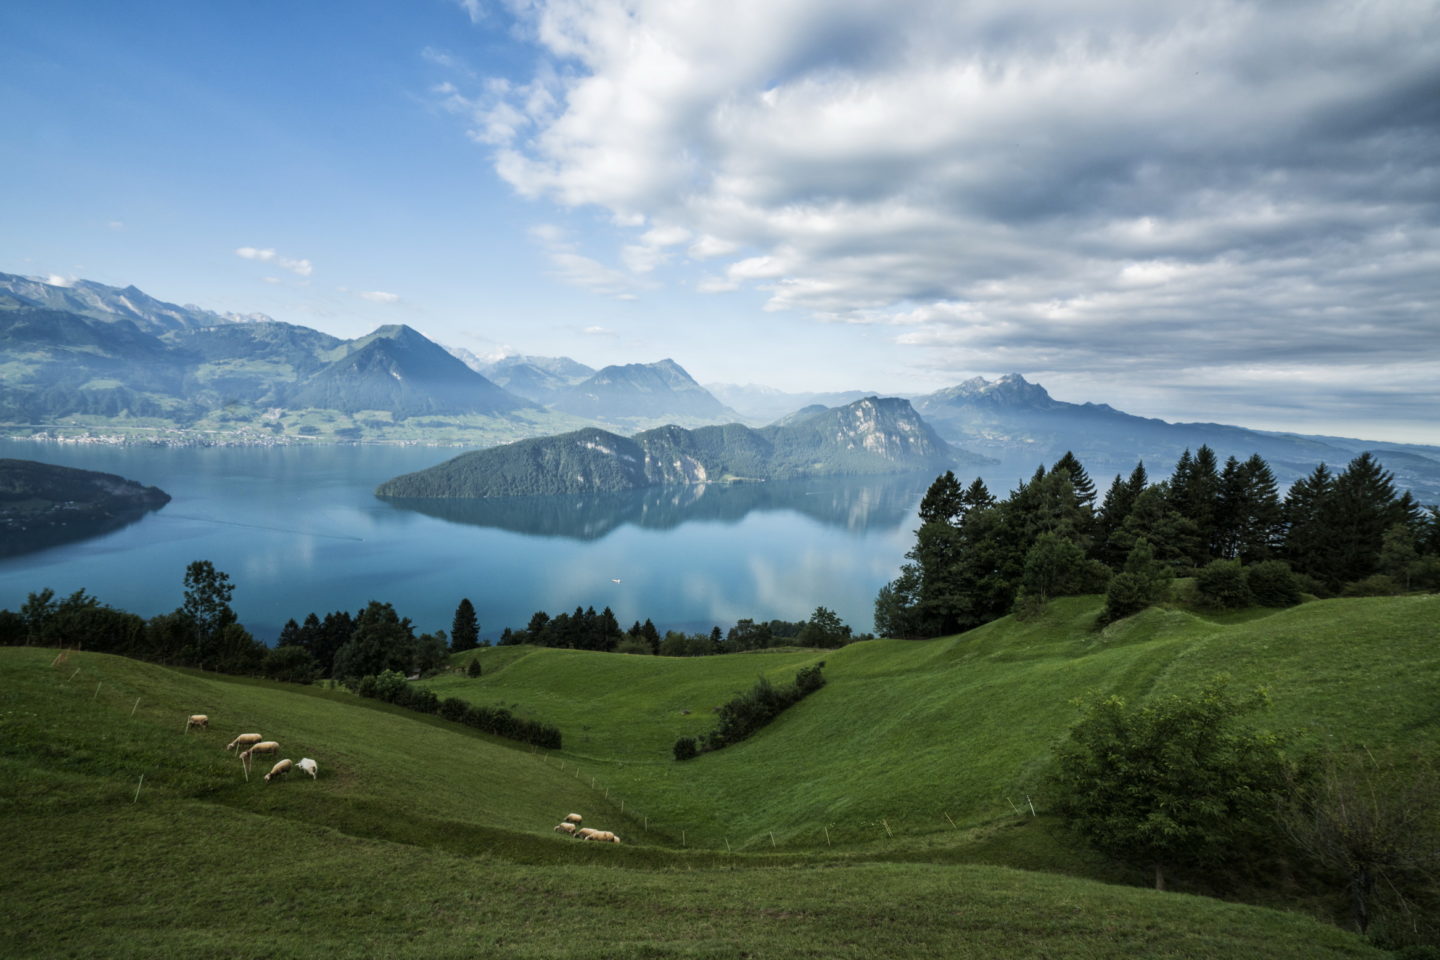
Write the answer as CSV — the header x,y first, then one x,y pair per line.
x,y
422,838
908,733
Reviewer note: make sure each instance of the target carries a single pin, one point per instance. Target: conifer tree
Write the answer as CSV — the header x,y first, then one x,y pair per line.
x,y
943,501
464,629
1079,479
1308,533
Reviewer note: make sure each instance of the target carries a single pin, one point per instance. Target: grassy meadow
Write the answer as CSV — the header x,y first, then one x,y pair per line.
x,y
895,796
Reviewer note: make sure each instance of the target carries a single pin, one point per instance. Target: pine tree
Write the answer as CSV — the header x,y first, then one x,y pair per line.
x,y
651,635
1308,533
464,630
1365,506
1079,479
942,502
1195,495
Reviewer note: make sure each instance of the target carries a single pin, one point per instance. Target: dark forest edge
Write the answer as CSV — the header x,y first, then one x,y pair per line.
x,y
977,558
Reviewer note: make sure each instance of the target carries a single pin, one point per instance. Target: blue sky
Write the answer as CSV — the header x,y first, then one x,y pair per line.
x,y
1228,213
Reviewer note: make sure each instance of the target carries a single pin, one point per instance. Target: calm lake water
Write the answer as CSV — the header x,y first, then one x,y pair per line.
x,y
298,529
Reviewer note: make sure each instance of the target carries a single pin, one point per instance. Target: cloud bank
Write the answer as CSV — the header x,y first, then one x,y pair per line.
x,y
1113,187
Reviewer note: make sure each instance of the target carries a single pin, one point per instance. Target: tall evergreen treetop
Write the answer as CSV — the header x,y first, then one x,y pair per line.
x,y
943,502
464,629
1079,479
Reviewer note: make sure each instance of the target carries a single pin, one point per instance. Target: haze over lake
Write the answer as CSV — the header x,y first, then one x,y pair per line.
x,y
298,529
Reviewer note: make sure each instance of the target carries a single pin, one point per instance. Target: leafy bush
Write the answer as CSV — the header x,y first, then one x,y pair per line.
x,y
473,670
685,748
1179,781
1222,584
1378,585
1128,593
391,687
634,645
747,713
290,664
1272,584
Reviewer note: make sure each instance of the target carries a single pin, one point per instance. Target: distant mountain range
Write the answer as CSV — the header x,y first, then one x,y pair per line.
x,y
869,437
105,356
1012,418
90,357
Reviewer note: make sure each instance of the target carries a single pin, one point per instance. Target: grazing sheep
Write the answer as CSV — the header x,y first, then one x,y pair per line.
x,y
280,769
269,746
197,720
244,740
309,767
604,836
565,828
585,833
574,818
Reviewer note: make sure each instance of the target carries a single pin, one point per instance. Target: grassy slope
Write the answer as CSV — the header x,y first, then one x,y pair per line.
x,y
424,840
908,733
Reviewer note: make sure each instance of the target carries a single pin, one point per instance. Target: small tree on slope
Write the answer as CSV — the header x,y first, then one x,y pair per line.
x,y
1177,782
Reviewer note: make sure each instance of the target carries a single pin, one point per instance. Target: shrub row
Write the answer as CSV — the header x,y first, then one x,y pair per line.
x,y
392,687
747,713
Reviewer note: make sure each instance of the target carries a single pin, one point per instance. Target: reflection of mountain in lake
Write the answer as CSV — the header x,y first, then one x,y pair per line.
x,y
850,503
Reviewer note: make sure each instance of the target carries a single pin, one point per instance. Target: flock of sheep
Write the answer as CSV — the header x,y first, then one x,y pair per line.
x,y
571,825
249,744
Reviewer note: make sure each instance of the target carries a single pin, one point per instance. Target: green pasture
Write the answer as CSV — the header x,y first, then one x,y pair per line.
x,y
938,737
883,816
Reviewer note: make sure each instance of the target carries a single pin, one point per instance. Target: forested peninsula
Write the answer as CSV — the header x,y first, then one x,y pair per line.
x,y
42,504
868,437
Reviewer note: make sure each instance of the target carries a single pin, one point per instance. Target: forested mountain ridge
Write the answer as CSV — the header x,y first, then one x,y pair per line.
x,y
399,370
868,437
42,504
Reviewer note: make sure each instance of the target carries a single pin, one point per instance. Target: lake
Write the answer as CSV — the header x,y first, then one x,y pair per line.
x,y
298,529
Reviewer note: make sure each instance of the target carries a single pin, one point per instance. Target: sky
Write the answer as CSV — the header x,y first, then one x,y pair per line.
x,y
1214,211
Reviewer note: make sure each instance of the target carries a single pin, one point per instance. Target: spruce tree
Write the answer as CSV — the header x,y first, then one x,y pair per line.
x,y
464,630
942,502
1308,532
1365,506
1079,479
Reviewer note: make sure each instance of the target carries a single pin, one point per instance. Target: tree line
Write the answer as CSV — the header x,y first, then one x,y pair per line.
x,y
976,557
587,630
744,715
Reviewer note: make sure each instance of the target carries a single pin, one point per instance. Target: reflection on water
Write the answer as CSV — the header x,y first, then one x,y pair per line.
x,y
15,543
850,503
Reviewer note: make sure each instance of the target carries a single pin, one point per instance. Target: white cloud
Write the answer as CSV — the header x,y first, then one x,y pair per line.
x,y
578,270
115,224
301,268
473,9
1106,186
379,296
598,331
55,280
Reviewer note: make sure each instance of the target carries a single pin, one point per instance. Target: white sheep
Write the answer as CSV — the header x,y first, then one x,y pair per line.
x,y
280,769
244,740
574,818
604,836
197,720
568,828
268,746
309,766
585,833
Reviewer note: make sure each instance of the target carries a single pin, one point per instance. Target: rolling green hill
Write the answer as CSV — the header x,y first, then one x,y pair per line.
x,y
421,838
908,733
